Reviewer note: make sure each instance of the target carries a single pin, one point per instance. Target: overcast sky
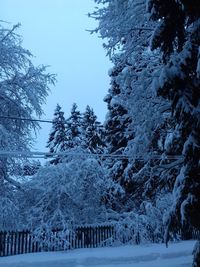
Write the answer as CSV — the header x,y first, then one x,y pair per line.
x,y
55,32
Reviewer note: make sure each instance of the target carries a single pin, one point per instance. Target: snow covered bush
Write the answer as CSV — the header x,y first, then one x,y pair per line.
x,y
141,225
67,194
9,215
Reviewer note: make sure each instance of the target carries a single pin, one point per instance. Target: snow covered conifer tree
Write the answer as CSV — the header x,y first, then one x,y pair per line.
x,y
134,112
178,36
57,138
116,126
138,124
92,132
73,128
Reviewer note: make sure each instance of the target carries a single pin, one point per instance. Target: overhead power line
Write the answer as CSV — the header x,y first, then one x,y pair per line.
x,y
35,154
25,119
29,119
45,155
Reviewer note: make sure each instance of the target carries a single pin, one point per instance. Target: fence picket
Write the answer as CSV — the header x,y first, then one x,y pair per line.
x,y
7,244
1,244
26,242
4,246
99,237
15,243
11,242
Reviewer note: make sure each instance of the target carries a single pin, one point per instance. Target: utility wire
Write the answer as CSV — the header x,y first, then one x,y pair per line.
x,y
45,155
28,119
35,154
24,119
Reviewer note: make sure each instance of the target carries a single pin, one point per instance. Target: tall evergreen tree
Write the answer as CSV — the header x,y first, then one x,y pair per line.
x,y
135,113
57,138
73,128
138,124
92,132
116,125
177,35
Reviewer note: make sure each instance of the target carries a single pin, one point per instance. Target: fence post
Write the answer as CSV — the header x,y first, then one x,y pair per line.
x,y
11,242
7,243
137,238
2,244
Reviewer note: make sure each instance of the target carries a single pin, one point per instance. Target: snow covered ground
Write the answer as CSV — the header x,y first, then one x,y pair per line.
x,y
154,255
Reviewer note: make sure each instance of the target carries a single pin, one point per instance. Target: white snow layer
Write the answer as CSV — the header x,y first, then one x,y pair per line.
x,y
154,255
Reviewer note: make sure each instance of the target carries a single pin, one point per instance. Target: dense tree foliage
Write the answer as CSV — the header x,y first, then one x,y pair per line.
x,y
67,193
116,126
73,128
57,138
79,130
92,132
138,123
142,166
23,90
177,36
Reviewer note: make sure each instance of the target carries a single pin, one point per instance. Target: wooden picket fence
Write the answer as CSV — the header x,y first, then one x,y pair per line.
x,y
20,242
186,234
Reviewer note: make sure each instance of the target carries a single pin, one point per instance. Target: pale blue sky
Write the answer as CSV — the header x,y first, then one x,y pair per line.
x,y
55,32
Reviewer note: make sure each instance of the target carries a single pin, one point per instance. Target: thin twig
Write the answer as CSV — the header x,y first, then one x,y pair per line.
x,y
11,31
